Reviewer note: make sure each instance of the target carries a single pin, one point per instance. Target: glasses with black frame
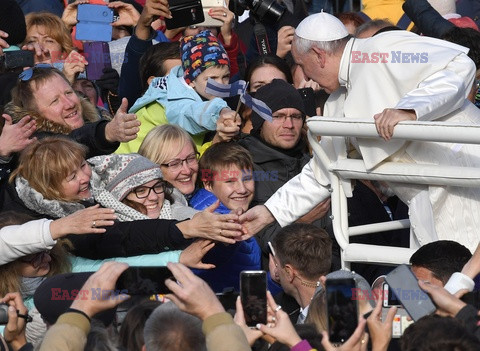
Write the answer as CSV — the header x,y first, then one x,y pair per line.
x,y
281,118
158,188
176,164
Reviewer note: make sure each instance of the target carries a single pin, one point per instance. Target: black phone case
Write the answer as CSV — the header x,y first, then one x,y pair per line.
x,y
184,13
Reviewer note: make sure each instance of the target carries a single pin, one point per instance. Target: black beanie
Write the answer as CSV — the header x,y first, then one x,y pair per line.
x,y
12,21
277,95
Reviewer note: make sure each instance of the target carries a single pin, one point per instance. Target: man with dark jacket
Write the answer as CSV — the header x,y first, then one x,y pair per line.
x,y
278,150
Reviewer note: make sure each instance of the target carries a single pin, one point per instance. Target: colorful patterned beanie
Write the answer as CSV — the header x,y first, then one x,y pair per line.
x,y
200,52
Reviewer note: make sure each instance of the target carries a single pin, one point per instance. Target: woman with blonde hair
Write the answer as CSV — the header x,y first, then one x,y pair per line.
x,y
53,179
174,150
48,33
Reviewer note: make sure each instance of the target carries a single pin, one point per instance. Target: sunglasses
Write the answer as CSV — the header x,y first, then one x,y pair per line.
x,y
26,75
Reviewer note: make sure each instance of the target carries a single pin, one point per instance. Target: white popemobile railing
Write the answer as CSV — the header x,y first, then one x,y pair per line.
x,y
342,170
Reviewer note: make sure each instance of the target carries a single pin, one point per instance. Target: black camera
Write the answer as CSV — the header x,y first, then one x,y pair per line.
x,y
11,60
264,10
3,313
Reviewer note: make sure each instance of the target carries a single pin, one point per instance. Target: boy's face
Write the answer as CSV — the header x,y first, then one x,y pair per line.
x,y
234,188
220,74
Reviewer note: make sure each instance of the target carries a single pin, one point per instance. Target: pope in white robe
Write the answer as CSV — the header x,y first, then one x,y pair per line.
x,y
391,77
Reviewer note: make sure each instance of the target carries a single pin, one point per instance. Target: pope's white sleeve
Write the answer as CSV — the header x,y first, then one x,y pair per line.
x,y
20,240
442,92
297,197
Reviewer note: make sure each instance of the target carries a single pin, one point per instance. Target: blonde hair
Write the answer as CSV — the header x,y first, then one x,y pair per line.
x,y
47,162
317,312
54,28
164,142
11,272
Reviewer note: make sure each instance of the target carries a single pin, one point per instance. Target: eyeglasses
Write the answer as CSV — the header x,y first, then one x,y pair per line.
x,y
282,118
26,75
35,259
143,192
176,164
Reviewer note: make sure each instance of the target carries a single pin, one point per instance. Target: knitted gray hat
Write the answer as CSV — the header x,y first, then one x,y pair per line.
x,y
123,173
115,176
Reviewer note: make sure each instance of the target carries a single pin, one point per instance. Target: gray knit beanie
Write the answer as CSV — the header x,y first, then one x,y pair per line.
x,y
120,174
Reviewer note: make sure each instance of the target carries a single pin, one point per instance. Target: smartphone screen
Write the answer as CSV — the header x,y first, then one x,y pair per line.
x,y
253,294
144,280
414,300
97,54
390,299
342,308
308,97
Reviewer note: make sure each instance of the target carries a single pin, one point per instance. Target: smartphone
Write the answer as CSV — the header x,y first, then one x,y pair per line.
x,y
342,309
308,97
97,54
144,280
94,23
253,294
415,301
184,13
16,59
390,299
210,21
228,299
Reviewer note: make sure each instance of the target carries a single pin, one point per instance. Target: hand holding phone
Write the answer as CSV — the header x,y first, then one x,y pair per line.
x,y
144,281
94,23
412,297
253,294
184,13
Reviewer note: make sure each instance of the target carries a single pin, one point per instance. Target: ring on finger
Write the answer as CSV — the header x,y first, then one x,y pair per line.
x,y
224,14
278,308
94,224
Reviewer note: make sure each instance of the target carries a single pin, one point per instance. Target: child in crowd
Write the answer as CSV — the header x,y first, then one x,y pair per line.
x,y
226,172
182,92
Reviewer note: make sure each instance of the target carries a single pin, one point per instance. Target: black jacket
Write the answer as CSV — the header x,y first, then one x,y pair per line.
x,y
121,239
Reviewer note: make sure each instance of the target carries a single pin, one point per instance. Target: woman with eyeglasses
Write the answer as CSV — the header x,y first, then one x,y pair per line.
x,y
53,179
174,150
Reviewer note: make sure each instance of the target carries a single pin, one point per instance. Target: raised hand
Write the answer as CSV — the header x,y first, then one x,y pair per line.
x,y
192,294
127,14
192,256
213,226
16,137
124,126
87,221
254,220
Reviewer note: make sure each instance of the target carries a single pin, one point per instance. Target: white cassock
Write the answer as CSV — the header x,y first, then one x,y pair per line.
x,y
435,85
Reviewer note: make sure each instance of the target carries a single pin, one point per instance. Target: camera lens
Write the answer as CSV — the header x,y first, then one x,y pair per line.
x,y
3,313
268,10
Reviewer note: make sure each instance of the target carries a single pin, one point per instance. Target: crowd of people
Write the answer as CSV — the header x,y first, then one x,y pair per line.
x,y
146,166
